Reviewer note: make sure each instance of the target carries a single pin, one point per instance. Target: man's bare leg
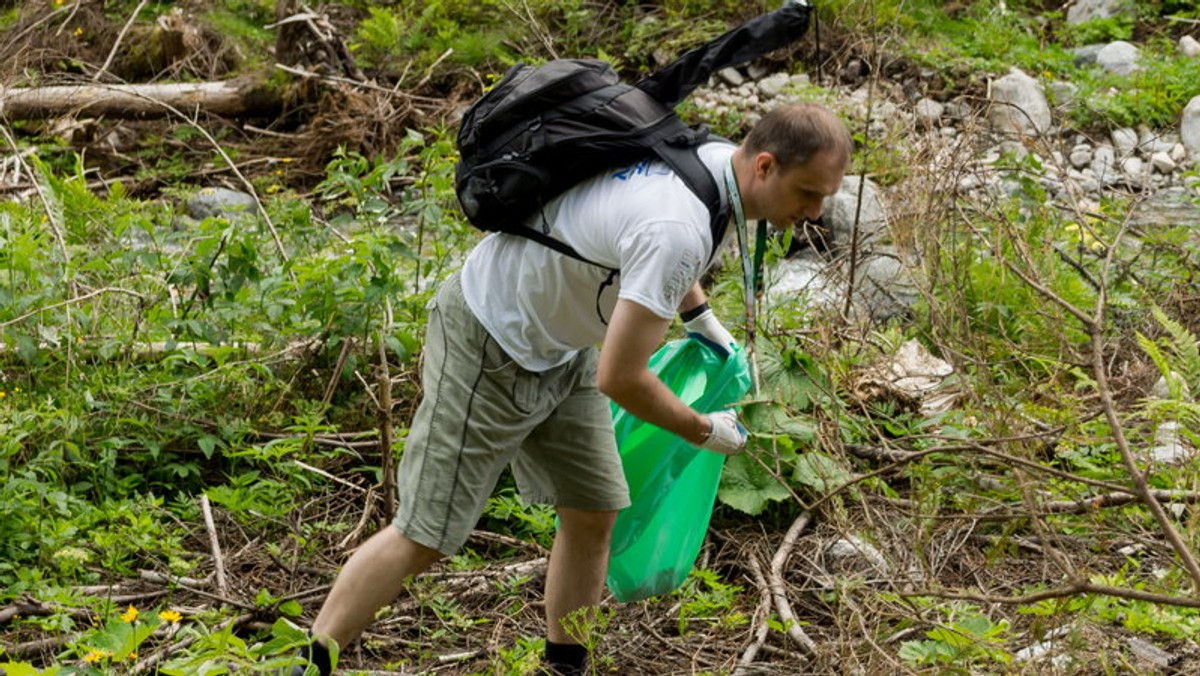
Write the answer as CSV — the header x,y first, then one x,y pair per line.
x,y
575,578
373,577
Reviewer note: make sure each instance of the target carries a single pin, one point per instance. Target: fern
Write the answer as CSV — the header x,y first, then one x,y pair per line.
x,y
1184,346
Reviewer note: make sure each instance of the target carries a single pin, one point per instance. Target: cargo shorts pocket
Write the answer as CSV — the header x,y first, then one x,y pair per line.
x,y
520,386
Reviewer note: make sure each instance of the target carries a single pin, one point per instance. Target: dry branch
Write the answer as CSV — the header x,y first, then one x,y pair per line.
x,y
242,97
386,453
779,589
1073,589
215,543
761,615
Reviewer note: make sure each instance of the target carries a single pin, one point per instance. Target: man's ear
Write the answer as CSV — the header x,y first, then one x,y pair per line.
x,y
763,162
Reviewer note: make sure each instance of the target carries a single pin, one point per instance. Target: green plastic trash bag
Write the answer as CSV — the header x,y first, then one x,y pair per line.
x,y
672,484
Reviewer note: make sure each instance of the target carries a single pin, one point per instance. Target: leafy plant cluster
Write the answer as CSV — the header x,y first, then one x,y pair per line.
x,y
408,39
148,356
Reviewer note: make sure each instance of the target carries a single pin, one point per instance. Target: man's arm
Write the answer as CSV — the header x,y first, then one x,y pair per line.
x,y
634,333
694,298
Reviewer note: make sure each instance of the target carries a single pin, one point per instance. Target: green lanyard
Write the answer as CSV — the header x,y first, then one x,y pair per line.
x,y
752,279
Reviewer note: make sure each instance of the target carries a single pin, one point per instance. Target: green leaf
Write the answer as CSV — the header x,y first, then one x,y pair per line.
x,y
819,472
790,378
291,609
208,444
746,486
25,669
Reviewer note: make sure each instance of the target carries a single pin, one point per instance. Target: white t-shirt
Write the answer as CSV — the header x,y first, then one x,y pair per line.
x,y
542,306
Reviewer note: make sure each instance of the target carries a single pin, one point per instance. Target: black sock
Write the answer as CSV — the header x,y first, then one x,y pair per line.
x,y
317,655
568,659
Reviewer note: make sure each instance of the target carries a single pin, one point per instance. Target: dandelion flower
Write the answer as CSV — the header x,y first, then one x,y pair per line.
x,y
171,616
130,615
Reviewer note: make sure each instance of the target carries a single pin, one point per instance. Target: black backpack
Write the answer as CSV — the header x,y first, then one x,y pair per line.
x,y
543,129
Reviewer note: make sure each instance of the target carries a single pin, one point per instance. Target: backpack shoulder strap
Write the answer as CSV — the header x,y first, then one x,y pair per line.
x,y
684,159
556,244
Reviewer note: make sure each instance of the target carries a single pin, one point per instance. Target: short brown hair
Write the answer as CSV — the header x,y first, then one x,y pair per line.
x,y
795,132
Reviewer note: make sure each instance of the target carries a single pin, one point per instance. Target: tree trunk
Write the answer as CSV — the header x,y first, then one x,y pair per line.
x,y
243,97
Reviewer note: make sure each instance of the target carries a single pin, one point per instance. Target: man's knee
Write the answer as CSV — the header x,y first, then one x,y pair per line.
x,y
578,523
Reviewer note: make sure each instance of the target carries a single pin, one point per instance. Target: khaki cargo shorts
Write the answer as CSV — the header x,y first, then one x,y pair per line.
x,y
480,413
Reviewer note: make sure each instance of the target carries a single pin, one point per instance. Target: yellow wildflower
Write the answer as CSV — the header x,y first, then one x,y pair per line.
x,y
78,31
3,394
130,615
171,616
96,655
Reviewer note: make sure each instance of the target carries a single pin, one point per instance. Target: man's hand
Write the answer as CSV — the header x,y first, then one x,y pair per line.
x,y
727,435
706,328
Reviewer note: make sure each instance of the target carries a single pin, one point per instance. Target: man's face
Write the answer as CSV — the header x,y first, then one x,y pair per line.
x,y
792,195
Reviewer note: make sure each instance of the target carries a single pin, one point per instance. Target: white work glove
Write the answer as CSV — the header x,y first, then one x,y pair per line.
x,y
727,435
706,328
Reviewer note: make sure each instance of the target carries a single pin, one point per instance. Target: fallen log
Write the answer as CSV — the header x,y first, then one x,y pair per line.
x,y
241,97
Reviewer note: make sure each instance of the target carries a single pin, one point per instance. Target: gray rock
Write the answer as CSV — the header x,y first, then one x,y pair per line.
x,y
1081,156
841,209
1104,165
1062,93
1013,149
1189,126
757,70
1086,55
1189,46
1118,57
773,85
853,555
1168,208
1162,387
958,110
1019,105
1133,167
885,288
731,76
805,276
1169,447
1163,163
1089,10
1125,140
929,112
220,202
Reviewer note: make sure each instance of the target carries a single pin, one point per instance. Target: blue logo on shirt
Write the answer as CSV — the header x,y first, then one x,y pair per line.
x,y
644,168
